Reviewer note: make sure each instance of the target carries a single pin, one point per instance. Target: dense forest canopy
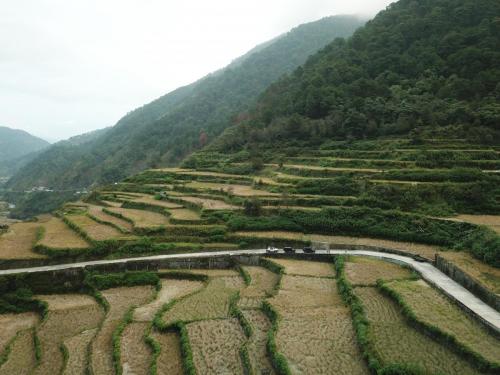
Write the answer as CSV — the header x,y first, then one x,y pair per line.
x,y
430,66
166,130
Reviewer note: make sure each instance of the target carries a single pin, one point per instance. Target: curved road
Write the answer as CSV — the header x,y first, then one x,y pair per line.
x,y
431,274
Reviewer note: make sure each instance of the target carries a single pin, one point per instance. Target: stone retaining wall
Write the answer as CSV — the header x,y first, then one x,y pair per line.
x,y
468,282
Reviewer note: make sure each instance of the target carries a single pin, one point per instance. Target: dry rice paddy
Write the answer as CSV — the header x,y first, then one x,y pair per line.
x,y
434,308
320,341
142,218
366,271
257,343
262,285
396,342
68,316
239,190
135,353
212,302
58,235
78,346
184,214
486,275
216,345
303,291
148,199
120,300
101,215
96,231
208,204
306,268
170,361
18,242
171,289
21,359
10,324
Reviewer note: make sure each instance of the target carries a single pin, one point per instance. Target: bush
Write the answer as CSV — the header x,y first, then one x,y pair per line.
x,y
102,281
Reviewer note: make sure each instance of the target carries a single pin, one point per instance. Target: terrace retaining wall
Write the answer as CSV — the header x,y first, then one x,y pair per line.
x,y
468,282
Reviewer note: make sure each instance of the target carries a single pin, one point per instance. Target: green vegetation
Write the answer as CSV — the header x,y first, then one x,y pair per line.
x,y
173,126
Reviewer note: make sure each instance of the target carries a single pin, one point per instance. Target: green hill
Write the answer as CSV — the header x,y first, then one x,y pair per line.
x,y
171,127
430,67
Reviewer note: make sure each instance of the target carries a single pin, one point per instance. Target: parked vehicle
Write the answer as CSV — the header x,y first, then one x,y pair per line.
x,y
272,250
308,249
288,249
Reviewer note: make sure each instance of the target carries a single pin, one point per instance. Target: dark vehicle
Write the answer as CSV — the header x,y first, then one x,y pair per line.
x,y
308,249
419,258
288,249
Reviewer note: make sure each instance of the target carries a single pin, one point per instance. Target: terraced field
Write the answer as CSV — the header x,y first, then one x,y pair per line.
x,y
433,308
68,316
57,235
314,329
18,242
141,218
315,332
437,197
366,271
396,342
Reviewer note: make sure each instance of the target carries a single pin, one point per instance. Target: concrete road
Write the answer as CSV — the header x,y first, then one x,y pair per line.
x,y
431,274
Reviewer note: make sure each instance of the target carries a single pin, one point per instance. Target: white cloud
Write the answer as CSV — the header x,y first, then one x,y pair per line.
x,y
67,67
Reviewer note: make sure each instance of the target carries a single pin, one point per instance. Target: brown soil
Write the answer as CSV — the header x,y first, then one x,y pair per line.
x,y
366,271
216,345
184,214
77,347
21,360
69,314
120,300
170,360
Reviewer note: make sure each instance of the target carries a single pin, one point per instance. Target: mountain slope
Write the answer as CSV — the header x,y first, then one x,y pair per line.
x,y
430,67
173,126
16,143
15,147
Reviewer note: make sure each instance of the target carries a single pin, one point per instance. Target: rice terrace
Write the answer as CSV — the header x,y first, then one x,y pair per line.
x,y
327,203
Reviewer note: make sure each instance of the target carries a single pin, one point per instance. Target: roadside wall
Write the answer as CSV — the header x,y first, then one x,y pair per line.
x,y
468,282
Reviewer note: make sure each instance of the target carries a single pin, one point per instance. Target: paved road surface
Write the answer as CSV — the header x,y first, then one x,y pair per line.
x,y
428,272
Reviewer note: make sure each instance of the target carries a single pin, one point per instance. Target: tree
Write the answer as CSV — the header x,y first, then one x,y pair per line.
x,y
253,207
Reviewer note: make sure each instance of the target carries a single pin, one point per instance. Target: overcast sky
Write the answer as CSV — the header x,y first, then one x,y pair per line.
x,y
71,66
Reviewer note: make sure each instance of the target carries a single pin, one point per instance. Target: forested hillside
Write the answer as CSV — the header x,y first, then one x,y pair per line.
x,y
16,144
173,126
419,68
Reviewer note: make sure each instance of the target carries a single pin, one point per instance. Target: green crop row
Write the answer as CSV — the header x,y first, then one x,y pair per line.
x,y
278,360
